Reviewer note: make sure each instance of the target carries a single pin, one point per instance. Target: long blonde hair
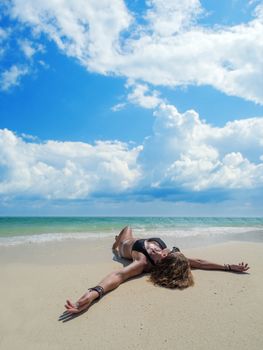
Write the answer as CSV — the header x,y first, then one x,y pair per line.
x,y
172,272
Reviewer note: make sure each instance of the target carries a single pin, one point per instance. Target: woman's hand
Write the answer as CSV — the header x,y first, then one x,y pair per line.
x,y
241,267
82,304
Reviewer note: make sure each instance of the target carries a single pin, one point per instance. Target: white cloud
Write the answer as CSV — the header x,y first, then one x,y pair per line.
x,y
118,107
29,137
183,152
227,59
29,48
87,30
12,77
167,17
43,64
171,49
26,47
187,152
65,170
3,34
259,11
142,96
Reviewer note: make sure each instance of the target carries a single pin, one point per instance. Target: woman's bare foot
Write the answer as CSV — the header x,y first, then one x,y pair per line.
x,y
116,243
125,234
115,247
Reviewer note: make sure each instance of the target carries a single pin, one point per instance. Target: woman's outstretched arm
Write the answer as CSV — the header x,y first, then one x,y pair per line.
x,y
108,283
207,265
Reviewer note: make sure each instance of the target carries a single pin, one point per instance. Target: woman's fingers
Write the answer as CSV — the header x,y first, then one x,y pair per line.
x,y
70,304
74,310
241,267
244,266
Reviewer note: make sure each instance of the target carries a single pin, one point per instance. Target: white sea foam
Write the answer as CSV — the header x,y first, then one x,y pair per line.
x,y
50,237
203,231
181,234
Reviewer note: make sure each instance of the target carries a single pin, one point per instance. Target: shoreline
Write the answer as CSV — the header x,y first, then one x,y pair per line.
x,y
95,250
187,238
37,279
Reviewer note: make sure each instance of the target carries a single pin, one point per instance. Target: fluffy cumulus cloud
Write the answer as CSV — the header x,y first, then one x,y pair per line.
x,y
64,170
169,48
164,46
186,152
183,153
142,96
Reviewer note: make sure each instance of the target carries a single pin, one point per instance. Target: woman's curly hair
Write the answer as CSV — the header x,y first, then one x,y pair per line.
x,y
172,272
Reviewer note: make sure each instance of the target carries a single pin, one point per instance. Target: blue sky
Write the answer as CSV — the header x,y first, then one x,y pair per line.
x,y
131,108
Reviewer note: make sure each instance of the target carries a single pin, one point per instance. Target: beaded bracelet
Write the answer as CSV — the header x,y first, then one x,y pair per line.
x,y
99,290
227,267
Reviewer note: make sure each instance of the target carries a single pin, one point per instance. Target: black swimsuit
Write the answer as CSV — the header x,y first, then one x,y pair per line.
x,y
139,246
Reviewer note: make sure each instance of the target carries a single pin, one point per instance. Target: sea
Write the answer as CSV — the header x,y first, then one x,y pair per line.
x,y
186,232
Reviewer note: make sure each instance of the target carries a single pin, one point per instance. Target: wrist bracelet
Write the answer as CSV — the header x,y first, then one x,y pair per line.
x,y
99,290
227,267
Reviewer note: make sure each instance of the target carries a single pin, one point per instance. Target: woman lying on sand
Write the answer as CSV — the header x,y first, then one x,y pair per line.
x,y
168,268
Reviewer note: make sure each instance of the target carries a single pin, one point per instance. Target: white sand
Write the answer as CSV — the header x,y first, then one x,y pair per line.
x,y
222,311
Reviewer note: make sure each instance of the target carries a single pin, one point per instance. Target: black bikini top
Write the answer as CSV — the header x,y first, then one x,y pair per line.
x,y
139,246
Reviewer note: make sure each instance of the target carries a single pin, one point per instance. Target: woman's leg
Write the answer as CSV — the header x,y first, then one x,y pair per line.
x,y
125,234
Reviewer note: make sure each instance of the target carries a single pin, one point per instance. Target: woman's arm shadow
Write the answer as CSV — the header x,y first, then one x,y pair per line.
x,y
123,261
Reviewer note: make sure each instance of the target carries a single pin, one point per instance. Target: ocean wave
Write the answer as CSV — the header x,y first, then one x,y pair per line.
x,y
182,234
50,237
203,231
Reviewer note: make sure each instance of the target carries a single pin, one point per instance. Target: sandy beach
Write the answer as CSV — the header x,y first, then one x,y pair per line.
x,y
222,311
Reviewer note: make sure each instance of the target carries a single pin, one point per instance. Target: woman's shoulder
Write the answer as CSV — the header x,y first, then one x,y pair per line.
x,y
141,259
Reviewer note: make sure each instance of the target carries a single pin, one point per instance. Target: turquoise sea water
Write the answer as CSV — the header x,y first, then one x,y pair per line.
x,y
185,230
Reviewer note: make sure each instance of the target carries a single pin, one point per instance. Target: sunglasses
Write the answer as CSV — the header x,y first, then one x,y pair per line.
x,y
175,250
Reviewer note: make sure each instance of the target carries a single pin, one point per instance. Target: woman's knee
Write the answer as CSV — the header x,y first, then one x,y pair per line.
x,y
126,229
